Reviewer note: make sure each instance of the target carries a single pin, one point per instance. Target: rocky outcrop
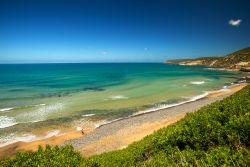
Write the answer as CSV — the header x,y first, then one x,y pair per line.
x,y
239,60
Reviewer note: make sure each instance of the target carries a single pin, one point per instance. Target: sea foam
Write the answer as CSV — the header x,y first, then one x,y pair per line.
x,y
197,82
117,97
88,115
6,121
41,114
26,138
6,109
40,105
11,108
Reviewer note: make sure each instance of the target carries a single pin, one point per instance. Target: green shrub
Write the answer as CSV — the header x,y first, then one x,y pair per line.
x,y
57,156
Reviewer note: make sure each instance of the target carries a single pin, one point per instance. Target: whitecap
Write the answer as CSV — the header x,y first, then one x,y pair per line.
x,y
40,104
117,97
12,138
26,138
88,115
6,121
225,87
197,82
194,98
51,134
40,114
6,109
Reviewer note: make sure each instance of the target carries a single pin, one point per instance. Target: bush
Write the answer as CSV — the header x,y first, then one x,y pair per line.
x,y
57,156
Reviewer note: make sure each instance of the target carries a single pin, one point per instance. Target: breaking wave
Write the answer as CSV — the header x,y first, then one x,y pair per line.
x,y
197,82
26,138
6,121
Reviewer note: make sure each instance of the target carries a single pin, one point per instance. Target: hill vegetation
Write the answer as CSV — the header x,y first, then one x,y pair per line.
x,y
239,60
215,135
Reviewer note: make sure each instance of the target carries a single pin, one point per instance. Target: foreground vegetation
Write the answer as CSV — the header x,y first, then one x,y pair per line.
x,y
216,135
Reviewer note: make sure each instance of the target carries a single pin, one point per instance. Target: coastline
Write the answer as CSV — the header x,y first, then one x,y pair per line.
x,y
11,149
121,136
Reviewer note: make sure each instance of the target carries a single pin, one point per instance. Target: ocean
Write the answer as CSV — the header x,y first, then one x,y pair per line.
x,y
41,100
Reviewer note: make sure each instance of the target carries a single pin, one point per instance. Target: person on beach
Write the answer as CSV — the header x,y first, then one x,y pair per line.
x,y
82,132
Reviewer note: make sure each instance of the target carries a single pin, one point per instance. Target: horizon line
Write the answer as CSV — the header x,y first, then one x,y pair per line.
x,y
79,63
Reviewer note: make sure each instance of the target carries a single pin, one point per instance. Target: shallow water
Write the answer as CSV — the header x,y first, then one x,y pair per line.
x,y
36,99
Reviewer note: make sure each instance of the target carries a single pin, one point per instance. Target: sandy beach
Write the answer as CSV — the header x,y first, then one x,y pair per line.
x,y
119,134
11,149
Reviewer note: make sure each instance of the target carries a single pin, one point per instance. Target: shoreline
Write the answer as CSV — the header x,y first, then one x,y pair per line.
x,y
11,149
216,93
120,134
142,129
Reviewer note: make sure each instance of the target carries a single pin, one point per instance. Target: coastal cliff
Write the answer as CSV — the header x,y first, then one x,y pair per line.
x,y
239,60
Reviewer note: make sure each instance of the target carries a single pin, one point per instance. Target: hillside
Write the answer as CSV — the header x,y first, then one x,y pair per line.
x,y
239,60
215,135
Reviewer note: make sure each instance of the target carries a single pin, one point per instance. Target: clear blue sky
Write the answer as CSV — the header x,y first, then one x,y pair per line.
x,y
40,31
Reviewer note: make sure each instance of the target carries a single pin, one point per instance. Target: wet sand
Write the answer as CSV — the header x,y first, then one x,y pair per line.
x,y
119,134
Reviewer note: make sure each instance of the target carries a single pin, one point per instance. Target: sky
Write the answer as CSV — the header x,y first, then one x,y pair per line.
x,y
60,31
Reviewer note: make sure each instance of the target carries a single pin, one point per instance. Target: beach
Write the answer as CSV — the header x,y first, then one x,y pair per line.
x,y
120,133
11,149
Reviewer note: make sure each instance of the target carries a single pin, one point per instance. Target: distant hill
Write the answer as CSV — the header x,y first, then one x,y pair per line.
x,y
239,60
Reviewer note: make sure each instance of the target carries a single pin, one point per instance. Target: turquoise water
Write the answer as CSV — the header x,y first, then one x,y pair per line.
x,y
40,99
